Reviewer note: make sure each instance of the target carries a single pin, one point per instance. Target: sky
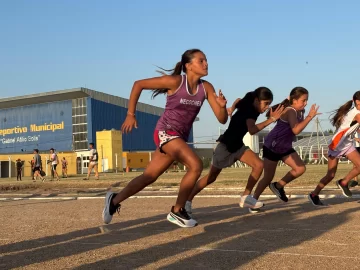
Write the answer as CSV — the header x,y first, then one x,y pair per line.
x,y
107,45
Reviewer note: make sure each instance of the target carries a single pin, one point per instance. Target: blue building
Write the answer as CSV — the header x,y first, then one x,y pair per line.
x,y
67,120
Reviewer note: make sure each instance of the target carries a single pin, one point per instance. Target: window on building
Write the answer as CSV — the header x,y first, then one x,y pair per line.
x,y
79,121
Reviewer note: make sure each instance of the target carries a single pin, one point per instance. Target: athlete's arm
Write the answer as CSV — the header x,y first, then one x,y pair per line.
x,y
168,81
171,82
296,126
217,103
274,115
255,128
231,109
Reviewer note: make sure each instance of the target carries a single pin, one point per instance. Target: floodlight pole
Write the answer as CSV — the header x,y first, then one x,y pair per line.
x,y
317,137
318,130
322,154
310,158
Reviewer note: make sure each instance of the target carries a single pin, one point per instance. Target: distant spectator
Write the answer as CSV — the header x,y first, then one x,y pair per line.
x,y
37,165
93,162
54,162
64,165
19,166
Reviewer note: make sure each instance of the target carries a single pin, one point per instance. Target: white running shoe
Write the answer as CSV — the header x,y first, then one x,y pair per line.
x,y
109,208
181,218
250,201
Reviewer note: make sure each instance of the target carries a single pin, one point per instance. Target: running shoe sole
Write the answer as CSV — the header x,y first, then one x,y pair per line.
x,y
342,190
106,214
309,198
178,221
245,205
254,210
276,192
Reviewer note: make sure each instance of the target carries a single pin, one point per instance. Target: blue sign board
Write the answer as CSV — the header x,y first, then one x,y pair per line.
x,y
41,126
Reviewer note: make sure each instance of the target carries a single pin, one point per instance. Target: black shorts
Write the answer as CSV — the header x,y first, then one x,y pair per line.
x,y
53,167
270,155
36,169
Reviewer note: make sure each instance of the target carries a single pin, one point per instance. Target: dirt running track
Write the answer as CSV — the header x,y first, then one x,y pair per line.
x,y
69,234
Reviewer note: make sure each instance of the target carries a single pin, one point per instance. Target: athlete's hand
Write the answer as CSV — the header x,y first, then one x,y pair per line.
x,y
230,111
220,99
275,114
129,123
313,111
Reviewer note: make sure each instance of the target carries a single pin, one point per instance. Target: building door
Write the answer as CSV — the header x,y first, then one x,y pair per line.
x,y
4,167
82,162
85,164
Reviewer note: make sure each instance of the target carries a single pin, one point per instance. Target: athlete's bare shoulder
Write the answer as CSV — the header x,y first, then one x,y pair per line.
x,y
208,86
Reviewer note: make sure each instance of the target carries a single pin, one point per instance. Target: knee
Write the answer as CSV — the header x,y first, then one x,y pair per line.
x,y
357,168
258,167
300,171
196,167
149,177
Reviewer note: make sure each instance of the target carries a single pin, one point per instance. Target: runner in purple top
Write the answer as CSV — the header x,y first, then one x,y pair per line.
x,y
278,143
185,96
181,109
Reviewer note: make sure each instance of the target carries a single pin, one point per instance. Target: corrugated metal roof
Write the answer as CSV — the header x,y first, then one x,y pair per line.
x,y
74,93
19,101
122,102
